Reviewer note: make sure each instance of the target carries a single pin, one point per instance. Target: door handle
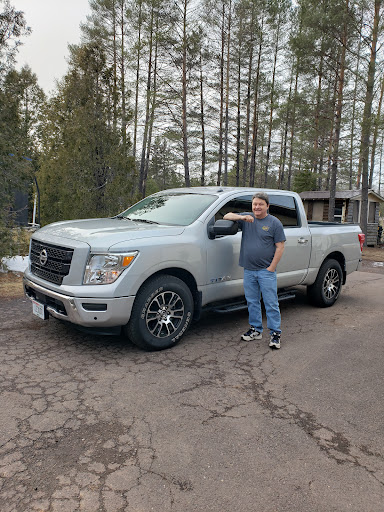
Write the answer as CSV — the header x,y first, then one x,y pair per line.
x,y
303,241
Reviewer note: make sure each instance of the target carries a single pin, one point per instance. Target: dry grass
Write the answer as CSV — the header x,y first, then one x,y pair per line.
x,y
11,286
373,253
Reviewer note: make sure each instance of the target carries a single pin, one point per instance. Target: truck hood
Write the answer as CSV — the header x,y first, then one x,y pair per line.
x,y
101,234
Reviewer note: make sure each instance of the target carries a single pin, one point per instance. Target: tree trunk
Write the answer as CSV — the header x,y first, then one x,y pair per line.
x,y
153,107
352,145
271,109
238,117
147,110
283,155
255,112
227,96
375,134
367,122
248,100
381,160
122,87
184,98
138,62
202,123
293,124
221,97
114,94
338,113
317,112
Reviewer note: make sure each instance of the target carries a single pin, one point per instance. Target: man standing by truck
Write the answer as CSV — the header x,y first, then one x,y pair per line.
x,y
262,246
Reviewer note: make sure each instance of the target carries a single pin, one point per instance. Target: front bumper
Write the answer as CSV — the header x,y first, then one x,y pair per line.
x,y
87,312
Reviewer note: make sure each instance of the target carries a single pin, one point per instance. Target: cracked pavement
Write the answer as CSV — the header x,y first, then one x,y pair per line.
x,y
91,423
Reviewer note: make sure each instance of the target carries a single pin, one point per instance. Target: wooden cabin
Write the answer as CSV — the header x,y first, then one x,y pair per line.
x,y
347,208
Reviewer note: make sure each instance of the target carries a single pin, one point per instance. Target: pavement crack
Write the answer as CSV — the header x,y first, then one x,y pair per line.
x,y
335,444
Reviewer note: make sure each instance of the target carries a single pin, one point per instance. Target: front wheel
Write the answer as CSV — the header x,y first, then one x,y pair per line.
x,y
326,289
161,314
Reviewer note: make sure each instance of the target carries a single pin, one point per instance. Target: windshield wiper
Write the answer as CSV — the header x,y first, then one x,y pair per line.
x,y
121,217
134,220
145,220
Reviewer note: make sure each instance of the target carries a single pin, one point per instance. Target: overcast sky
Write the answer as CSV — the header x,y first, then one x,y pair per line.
x,y
54,24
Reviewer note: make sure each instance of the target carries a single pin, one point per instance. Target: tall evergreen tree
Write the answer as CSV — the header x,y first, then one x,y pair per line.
x,y
13,26
84,167
16,168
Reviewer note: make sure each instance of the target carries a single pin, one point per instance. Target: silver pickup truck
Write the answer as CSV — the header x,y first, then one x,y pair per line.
x,y
152,269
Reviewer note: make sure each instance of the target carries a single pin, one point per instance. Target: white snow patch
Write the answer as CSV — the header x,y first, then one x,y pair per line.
x,y
14,264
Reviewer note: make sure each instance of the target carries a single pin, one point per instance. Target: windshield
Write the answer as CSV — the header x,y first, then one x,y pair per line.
x,y
170,208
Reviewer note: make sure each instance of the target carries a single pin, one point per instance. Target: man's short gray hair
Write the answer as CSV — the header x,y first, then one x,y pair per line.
x,y
261,195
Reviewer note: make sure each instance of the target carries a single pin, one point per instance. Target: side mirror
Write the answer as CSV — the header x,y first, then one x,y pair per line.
x,y
223,227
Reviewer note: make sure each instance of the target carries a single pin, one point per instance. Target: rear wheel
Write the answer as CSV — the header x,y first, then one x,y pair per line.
x,y
326,289
161,314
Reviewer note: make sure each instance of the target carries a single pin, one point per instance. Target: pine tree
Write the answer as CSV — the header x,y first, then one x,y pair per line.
x,y
84,168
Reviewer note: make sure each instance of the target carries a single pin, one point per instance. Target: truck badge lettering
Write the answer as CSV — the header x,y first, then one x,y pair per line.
x,y
220,279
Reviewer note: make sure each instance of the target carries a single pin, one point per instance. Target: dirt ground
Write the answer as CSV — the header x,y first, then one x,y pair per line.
x,y
374,253
373,260
11,285
11,282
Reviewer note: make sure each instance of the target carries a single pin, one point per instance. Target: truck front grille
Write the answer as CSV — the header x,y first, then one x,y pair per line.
x,y
50,262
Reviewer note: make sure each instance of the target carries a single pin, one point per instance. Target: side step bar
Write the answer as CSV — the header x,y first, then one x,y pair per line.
x,y
286,295
240,305
229,308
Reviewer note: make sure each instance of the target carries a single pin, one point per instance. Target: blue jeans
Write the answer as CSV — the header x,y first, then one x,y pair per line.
x,y
259,283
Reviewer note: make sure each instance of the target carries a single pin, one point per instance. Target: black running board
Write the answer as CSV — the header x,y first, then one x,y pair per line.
x,y
286,295
230,307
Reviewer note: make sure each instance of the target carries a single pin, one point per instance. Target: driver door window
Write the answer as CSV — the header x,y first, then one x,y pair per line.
x,y
238,205
282,207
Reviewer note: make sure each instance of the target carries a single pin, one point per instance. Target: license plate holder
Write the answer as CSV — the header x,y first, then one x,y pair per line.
x,y
39,310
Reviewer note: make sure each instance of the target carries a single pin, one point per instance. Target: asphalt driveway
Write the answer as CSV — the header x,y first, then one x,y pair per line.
x,y
215,424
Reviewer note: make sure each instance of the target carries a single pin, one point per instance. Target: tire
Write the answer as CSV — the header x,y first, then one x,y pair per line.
x,y
161,314
325,291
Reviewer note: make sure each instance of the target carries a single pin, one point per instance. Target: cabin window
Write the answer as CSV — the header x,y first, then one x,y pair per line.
x,y
338,215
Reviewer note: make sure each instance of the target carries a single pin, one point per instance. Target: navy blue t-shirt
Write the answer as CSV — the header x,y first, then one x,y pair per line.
x,y
258,241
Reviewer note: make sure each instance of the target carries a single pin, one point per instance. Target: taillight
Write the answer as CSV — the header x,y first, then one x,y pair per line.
x,y
361,240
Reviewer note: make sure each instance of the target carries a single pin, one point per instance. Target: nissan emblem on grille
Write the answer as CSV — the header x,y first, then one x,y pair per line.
x,y
43,257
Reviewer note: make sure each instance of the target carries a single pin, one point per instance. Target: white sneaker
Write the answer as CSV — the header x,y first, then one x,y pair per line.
x,y
252,334
274,341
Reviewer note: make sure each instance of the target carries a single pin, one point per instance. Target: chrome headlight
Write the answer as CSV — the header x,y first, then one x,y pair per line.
x,y
106,268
